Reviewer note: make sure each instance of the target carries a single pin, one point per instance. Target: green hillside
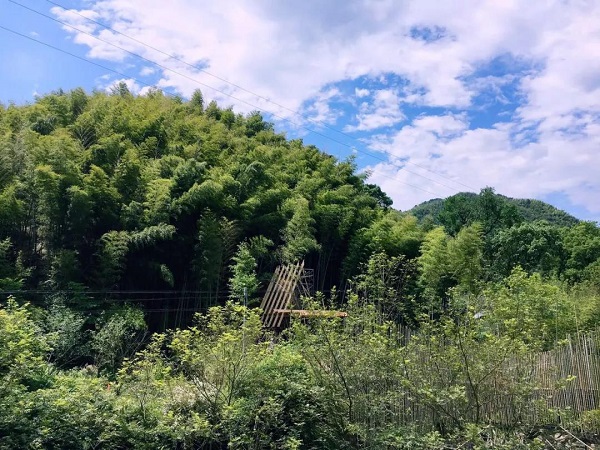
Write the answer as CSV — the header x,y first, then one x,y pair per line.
x,y
139,233
530,210
117,192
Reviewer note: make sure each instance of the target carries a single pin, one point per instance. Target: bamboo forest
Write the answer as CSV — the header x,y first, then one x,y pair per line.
x,y
176,275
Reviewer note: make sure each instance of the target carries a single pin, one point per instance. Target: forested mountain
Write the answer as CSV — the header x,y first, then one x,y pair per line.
x,y
116,192
529,209
111,193
121,216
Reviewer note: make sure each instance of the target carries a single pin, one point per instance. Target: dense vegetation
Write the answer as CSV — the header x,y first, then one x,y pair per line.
x,y
114,192
529,209
120,215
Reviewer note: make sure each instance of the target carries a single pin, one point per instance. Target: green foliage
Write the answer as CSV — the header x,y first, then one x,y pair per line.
x,y
93,187
120,334
149,236
121,89
465,253
386,283
111,258
65,334
582,245
433,261
22,347
393,233
351,383
298,234
197,101
143,193
243,282
535,247
460,209
529,309
218,352
455,367
591,275
591,419
12,274
495,212
221,383
11,210
278,406
457,211
157,408
215,246
102,190
446,262
535,210
352,362
22,366
75,411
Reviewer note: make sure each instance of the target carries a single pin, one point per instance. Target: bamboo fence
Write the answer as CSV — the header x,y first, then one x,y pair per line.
x,y
552,387
568,377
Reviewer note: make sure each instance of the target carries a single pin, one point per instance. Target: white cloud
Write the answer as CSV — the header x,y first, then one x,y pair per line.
x,y
383,111
297,52
320,111
146,70
486,157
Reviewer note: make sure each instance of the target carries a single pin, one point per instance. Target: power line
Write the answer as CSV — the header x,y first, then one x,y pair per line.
x,y
133,299
224,93
202,307
196,67
235,98
145,311
148,299
106,292
229,95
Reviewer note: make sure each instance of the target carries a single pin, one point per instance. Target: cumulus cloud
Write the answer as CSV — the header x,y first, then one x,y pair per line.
x,y
472,93
147,70
383,111
457,157
360,93
319,111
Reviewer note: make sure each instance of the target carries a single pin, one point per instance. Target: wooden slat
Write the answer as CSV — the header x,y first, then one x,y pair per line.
x,y
276,294
277,301
280,295
266,304
293,282
277,289
311,313
284,299
267,295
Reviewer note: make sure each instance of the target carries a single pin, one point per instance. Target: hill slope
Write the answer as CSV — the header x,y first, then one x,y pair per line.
x,y
119,193
530,210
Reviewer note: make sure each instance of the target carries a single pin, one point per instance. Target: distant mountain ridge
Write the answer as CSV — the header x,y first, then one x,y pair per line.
x,y
530,209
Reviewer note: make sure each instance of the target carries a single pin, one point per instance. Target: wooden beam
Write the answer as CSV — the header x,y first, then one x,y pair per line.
x,y
307,313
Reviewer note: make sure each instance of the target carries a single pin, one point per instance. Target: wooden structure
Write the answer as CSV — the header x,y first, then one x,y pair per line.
x,y
282,299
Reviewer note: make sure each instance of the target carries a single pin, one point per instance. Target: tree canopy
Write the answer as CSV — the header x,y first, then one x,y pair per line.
x,y
137,233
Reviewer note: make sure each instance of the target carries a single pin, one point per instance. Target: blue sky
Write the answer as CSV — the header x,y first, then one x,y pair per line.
x,y
432,97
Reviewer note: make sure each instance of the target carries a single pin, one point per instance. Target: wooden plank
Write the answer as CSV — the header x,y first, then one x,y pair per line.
x,y
311,313
277,291
279,298
293,283
268,294
267,303
283,300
